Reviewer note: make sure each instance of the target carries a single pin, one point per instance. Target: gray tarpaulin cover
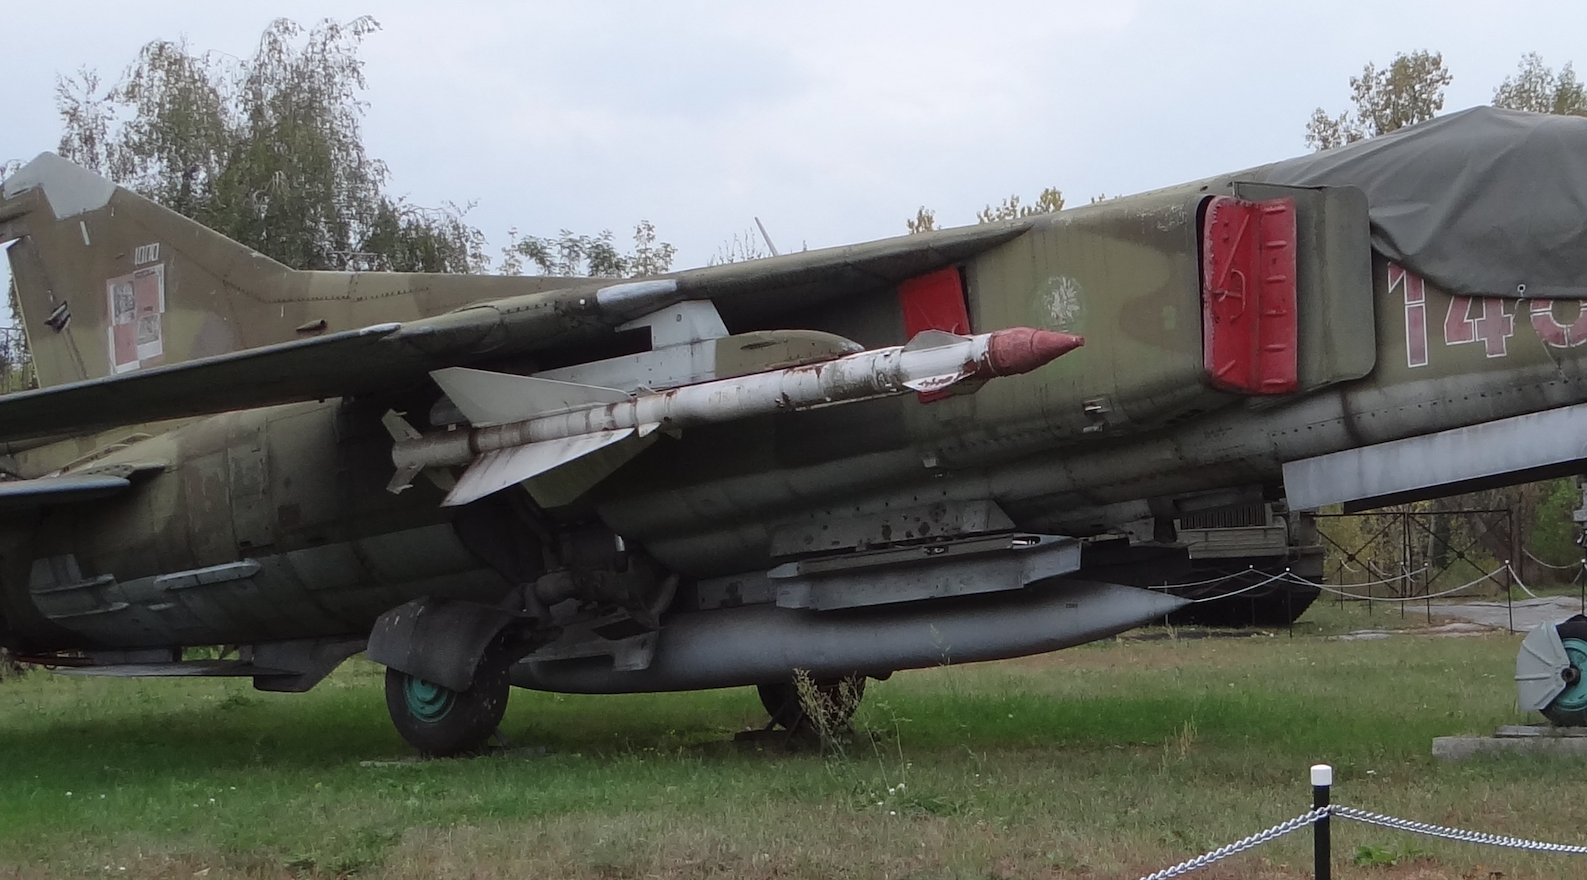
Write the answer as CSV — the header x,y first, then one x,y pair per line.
x,y
1484,201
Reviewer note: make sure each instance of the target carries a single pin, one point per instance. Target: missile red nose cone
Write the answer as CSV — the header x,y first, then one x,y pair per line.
x,y
1022,349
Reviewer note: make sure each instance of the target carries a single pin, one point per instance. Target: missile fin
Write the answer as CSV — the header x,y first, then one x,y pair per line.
x,y
930,384
495,471
488,398
933,339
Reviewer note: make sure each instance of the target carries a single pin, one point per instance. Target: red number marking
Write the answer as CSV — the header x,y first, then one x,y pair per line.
x,y
1554,333
1415,314
1459,328
1493,326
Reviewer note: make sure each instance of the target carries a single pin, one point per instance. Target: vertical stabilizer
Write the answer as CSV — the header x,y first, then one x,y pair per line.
x,y
110,282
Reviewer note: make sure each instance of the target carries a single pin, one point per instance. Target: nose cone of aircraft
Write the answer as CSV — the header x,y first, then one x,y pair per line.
x,y
1022,349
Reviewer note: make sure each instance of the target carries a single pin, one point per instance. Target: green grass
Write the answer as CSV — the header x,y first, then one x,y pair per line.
x,y
1109,760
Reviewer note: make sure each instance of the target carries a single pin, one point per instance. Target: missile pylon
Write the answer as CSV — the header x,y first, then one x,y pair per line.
x,y
523,426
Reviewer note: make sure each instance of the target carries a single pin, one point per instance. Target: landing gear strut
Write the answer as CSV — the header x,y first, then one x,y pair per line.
x,y
827,706
441,722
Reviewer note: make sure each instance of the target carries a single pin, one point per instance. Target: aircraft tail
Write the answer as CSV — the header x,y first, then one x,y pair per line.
x,y
110,282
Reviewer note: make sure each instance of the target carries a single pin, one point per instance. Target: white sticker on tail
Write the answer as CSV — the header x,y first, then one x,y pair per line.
x,y
136,331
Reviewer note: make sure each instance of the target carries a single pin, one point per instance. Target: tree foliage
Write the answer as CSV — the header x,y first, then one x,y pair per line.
x,y
1047,201
740,248
1536,87
1553,537
1407,91
16,363
591,255
266,150
925,221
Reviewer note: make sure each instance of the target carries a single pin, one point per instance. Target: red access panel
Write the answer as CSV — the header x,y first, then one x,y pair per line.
x,y
1248,296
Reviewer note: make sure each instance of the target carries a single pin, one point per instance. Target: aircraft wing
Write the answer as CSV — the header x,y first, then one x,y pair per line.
x,y
385,356
25,494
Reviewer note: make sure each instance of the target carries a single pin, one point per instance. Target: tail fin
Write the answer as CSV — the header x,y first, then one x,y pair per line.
x,y
110,282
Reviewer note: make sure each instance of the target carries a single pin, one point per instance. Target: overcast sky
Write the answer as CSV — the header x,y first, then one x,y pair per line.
x,y
830,121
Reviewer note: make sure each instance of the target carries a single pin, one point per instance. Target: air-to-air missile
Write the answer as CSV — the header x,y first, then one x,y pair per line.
x,y
523,426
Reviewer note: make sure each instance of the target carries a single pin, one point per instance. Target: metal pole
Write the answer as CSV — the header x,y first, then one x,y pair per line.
x,y
1509,593
1289,604
1405,561
1322,780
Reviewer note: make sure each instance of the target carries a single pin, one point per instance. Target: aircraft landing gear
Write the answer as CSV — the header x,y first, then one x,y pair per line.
x,y
441,722
1569,709
831,705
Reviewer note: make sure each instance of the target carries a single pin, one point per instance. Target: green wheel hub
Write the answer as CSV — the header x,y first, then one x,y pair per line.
x,y
426,700
1574,697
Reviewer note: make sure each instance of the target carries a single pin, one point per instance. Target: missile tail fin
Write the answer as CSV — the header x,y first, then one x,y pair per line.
x,y
932,339
494,471
487,398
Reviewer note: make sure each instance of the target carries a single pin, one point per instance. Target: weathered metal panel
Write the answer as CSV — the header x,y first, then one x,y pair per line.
x,y
415,554
333,566
930,571
249,475
206,497
840,529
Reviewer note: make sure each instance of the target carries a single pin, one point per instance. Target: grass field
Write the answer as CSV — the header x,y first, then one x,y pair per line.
x,y
1110,760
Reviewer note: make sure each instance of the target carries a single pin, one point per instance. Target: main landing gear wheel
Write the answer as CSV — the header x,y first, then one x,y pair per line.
x,y
1569,709
441,722
835,701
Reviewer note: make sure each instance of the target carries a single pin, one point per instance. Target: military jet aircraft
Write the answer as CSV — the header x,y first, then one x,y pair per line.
x,y
847,461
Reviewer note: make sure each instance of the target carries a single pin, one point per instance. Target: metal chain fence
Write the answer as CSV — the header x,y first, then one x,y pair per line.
x,y
1318,818
1456,833
1240,846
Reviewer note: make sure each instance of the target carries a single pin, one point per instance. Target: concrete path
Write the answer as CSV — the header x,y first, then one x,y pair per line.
x,y
1529,613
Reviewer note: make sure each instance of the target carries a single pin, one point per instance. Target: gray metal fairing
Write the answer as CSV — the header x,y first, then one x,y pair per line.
x,y
761,643
1483,202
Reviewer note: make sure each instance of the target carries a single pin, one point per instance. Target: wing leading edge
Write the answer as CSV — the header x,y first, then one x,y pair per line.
x,y
377,358
47,491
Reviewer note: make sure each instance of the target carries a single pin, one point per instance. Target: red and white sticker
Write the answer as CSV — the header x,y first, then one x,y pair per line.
x,y
137,312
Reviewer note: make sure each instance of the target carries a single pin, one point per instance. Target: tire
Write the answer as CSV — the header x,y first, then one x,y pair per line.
x,y
1569,709
444,723
839,698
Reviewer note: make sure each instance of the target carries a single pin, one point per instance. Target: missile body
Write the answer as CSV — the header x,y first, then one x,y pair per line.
x,y
558,421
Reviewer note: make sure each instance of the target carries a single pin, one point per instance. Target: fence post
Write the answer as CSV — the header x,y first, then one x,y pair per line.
x,y
1322,780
